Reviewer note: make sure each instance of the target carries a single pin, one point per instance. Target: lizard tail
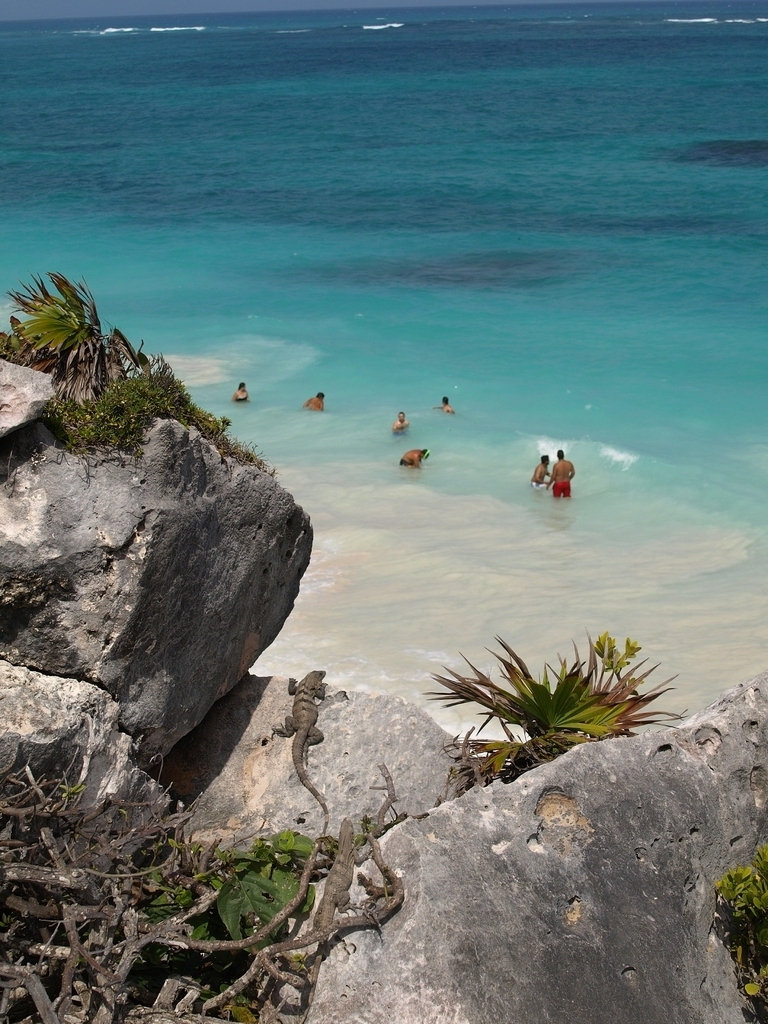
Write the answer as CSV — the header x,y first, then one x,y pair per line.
x,y
305,781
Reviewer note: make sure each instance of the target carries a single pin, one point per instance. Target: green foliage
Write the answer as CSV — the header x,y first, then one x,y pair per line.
x,y
745,891
608,652
252,886
262,881
542,718
158,890
9,347
120,417
62,335
147,911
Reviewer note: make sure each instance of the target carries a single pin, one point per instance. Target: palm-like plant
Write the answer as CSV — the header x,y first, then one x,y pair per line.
x,y
587,700
63,336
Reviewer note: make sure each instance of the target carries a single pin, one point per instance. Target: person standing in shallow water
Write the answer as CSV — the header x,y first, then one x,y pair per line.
x,y
414,456
540,474
401,424
562,474
241,395
316,403
445,405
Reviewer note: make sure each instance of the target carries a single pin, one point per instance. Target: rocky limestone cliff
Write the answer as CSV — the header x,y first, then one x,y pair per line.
x,y
242,777
23,394
582,893
159,579
66,728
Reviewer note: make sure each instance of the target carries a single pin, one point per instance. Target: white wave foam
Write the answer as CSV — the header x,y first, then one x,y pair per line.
x,y
739,21
109,31
624,459
291,31
273,358
199,370
251,355
180,28
693,21
546,446
391,24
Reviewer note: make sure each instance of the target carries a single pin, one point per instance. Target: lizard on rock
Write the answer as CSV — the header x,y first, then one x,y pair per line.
x,y
301,724
335,897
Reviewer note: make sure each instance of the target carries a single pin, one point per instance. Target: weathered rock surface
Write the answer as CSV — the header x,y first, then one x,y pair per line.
x,y
582,893
23,393
66,727
160,580
244,775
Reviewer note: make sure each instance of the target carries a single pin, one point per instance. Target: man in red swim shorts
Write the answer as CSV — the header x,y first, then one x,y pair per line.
x,y
562,474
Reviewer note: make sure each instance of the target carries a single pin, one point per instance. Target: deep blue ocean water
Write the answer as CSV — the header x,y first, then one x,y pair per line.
x,y
555,215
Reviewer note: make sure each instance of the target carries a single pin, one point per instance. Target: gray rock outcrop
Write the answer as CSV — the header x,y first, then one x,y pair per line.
x,y
244,777
23,394
67,728
582,893
159,579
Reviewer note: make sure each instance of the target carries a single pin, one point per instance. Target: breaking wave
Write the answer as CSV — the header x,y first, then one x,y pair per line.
x,y
624,459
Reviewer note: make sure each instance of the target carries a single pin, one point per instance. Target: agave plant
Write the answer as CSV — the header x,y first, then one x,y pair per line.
x,y
576,703
63,336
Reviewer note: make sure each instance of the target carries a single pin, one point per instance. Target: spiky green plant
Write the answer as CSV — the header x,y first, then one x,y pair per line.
x,y
576,703
63,336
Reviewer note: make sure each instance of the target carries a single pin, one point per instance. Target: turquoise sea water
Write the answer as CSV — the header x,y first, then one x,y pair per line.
x,y
554,215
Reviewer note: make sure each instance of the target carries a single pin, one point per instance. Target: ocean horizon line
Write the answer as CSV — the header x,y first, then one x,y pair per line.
x,y
437,5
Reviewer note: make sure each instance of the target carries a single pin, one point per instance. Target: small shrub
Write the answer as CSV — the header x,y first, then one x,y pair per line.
x,y
744,890
110,906
63,336
154,889
588,700
120,417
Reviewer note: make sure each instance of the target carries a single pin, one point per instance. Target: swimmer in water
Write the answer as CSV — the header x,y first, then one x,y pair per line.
x,y
562,474
414,456
241,395
315,403
445,406
401,424
540,474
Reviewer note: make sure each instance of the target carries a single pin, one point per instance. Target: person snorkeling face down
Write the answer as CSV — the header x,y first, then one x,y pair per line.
x,y
316,403
414,457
